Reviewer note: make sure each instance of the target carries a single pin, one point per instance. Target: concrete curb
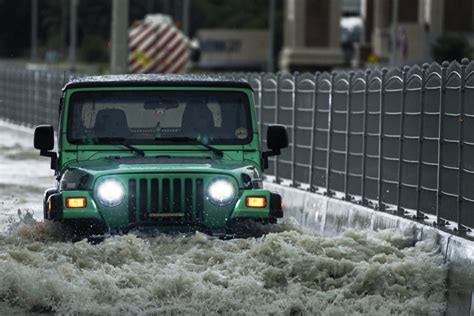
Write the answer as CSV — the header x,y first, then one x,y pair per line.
x,y
330,217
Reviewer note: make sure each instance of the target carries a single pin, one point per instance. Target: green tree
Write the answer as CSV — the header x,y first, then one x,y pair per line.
x,y
451,47
15,25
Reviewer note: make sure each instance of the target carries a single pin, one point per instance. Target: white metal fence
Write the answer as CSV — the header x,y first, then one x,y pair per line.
x,y
399,140
30,97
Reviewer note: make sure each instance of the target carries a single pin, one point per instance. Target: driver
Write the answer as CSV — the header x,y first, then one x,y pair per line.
x,y
198,121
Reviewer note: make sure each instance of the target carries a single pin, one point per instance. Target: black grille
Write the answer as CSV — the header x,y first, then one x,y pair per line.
x,y
143,199
166,200
132,201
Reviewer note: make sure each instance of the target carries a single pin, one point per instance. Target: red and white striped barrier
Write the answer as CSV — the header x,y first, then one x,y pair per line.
x,y
156,45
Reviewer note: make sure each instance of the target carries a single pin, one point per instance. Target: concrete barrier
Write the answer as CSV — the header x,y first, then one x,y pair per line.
x,y
329,217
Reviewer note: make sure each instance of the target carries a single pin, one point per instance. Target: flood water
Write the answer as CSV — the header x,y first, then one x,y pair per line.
x,y
287,272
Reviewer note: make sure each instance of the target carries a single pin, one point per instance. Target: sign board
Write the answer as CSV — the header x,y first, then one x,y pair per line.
x,y
156,45
233,49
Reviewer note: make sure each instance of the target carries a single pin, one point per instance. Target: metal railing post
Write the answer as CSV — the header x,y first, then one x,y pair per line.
x,y
277,118
419,215
439,193
49,97
399,210
381,206
36,102
313,131
7,100
25,97
293,129
461,228
328,153
364,139
348,136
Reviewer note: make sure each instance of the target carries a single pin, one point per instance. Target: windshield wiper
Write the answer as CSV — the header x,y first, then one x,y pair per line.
x,y
193,141
120,141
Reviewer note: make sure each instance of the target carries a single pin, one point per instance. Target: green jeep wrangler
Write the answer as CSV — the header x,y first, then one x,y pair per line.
x,y
178,153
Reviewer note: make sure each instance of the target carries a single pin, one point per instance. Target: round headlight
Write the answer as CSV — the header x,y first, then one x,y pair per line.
x,y
221,192
110,192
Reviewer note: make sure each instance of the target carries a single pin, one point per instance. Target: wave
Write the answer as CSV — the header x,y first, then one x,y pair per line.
x,y
285,272
11,189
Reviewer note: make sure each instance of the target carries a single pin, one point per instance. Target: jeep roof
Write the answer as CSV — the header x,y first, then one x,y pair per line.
x,y
157,80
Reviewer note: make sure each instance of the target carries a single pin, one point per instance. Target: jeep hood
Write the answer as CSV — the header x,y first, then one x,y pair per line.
x,y
166,164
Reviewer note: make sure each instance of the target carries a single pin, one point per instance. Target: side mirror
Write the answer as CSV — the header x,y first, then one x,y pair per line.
x,y
44,141
44,137
277,138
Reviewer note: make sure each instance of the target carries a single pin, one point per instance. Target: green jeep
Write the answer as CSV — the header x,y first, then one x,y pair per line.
x,y
178,153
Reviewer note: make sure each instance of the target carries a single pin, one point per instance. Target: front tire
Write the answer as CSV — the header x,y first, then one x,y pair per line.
x,y
45,211
91,229
246,227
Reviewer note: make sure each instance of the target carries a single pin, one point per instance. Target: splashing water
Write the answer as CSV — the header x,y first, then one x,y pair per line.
x,y
287,272
24,175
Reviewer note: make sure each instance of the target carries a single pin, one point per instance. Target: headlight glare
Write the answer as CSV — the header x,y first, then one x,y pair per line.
x,y
221,192
110,192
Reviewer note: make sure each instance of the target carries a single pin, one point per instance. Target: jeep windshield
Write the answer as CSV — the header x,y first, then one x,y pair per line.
x,y
159,117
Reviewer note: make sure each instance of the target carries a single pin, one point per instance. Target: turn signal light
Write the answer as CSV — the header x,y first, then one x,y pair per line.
x,y
76,202
256,201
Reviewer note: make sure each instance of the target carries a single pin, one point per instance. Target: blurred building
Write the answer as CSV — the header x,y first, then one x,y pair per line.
x,y
311,37
420,22
312,30
224,49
